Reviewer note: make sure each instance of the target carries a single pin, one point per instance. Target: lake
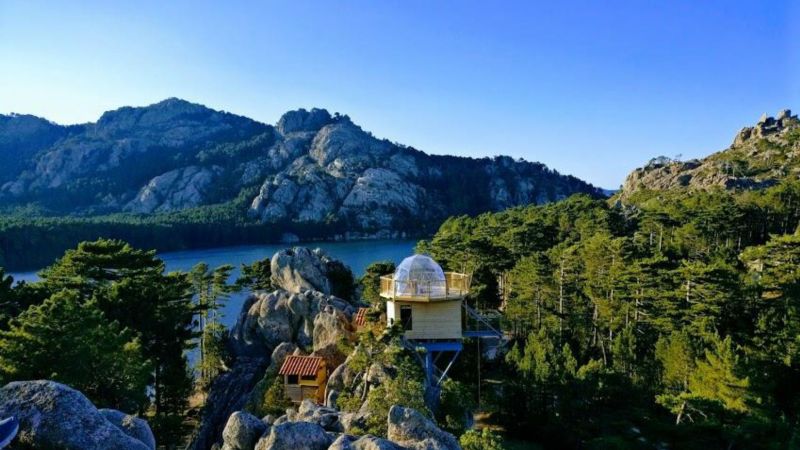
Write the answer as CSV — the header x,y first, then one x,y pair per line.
x,y
356,254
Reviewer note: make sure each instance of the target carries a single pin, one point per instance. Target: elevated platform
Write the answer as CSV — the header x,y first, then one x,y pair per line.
x,y
455,286
434,352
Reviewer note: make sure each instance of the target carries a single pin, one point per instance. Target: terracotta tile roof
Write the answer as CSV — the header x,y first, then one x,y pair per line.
x,y
301,365
361,317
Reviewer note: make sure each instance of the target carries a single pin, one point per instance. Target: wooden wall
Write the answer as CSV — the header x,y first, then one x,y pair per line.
x,y
434,320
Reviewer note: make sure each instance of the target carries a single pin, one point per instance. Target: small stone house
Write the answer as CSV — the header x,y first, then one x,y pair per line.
x,y
304,377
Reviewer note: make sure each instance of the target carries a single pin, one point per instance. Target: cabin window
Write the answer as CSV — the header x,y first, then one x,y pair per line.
x,y
405,317
308,377
291,379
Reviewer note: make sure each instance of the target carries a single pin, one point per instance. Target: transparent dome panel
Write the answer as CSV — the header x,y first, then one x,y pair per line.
x,y
419,275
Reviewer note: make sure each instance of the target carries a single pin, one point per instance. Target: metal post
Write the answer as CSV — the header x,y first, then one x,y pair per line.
x,y
429,365
479,373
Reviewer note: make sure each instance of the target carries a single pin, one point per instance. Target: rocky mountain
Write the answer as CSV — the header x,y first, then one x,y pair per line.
x,y
760,156
110,164
310,168
21,137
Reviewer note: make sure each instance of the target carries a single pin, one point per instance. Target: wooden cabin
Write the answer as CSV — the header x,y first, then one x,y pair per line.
x,y
304,377
425,300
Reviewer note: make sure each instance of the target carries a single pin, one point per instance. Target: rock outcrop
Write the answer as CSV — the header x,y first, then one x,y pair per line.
x,y
310,168
367,442
175,190
228,394
273,325
300,121
301,269
411,429
292,318
53,415
279,316
242,431
316,427
295,435
131,425
760,156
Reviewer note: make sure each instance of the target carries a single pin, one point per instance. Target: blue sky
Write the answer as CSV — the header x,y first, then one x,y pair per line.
x,y
591,88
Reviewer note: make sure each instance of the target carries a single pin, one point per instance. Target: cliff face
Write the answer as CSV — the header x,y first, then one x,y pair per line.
x,y
760,156
311,167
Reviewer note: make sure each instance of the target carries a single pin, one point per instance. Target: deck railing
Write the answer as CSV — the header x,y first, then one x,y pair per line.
x,y
455,285
481,323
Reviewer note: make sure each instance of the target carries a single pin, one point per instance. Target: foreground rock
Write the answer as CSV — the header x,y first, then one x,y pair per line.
x,y
242,431
368,442
55,416
132,426
316,427
411,429
295,435
228,394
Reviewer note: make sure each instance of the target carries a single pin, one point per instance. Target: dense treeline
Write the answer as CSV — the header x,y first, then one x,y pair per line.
x,y
672,318
28,241
107,320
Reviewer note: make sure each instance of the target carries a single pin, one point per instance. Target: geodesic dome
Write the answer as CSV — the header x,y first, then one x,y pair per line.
x,y
420,275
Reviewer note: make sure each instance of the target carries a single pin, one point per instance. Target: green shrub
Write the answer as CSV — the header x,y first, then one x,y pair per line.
x,y
456,404
268,397
485,439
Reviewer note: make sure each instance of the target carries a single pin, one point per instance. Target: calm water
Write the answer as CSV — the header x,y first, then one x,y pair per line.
x,y
356,254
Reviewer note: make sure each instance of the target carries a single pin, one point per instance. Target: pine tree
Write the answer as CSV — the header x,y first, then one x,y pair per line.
x,y
717,377
129,286
676,356
775,278
531,299
370,282
211,289
256,276
73,342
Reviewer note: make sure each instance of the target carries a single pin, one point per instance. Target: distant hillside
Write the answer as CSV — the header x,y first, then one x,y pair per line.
x,y
21,137
310,168
760,156
177,175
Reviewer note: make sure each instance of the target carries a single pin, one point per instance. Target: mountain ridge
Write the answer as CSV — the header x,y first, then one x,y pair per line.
x,y
310,167
759,156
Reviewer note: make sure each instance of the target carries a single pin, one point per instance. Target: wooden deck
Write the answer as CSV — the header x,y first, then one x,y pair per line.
x,y
455,286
